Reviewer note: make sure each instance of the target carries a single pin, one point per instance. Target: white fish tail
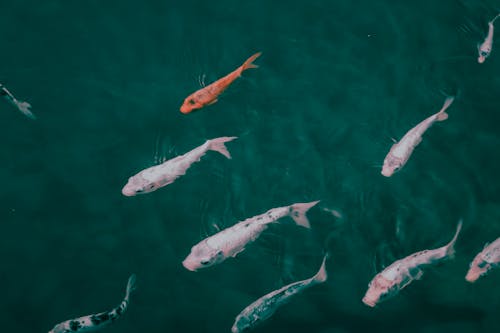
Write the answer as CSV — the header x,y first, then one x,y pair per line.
x,y
131,285
442,115
322,275
218,145
494,19
450,247
298,213
24,107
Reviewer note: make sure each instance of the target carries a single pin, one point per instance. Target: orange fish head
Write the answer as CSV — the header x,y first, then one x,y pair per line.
x,y
190,104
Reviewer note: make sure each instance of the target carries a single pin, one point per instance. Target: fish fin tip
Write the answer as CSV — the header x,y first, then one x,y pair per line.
x,y
249,62
442,116
218,145
298,213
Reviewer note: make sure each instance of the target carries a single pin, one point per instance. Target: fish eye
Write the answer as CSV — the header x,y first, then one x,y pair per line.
x,y
192,102
205,262
139,190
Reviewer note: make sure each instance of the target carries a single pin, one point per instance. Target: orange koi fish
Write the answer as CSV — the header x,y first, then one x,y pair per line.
x,y
209,94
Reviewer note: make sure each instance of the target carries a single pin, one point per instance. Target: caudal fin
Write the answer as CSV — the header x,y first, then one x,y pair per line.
x,y
130,286
322,274
450,247
298,213
494,19
24,107
249,62
218,145
442,115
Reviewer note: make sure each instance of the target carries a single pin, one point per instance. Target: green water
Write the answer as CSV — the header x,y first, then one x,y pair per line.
x,y
337,80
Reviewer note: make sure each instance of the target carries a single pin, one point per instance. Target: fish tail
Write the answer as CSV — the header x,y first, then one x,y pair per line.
x,y
298,213
442,115
322,274
24,107
249,62
131,285
450,247
218,145
494,19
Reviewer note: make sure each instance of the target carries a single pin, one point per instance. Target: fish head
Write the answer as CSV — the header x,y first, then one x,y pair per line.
x,y
379,290
478,267
202,256
391,165
138,185
190,104
484,52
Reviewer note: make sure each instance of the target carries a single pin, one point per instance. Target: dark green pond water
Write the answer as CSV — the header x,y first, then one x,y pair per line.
x,y
337,80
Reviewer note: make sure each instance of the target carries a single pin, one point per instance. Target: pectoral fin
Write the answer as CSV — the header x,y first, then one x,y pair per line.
x,y
417,274
213,102
237,252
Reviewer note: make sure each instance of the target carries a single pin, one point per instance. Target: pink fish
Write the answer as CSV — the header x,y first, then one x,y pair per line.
x,y
485,48
401,151
233,240
484,261
402,272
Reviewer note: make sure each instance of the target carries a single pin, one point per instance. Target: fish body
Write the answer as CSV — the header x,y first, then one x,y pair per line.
x,y
266,306
485,48
24,107
399,274
155,177
401,151
233,240
97,321
209,94
484,261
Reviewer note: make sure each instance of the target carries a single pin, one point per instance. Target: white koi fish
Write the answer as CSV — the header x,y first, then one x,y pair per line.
x,y
231,241
485,48
266,306
487,259
402,272
97,321
155,177
24,107
401,151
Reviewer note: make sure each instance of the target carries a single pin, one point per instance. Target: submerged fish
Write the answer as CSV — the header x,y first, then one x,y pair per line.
x,y
401,273
155,177
231,241
24,107
484,261
209,94
401,151
484,49
97,321
266,306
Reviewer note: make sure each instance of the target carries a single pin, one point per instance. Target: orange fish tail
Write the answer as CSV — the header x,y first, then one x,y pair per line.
x,y
249,62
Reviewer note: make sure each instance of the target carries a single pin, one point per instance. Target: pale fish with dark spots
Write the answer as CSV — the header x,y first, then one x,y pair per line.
x,y
401,273
97,321
484,261
233,240
401,151
155,177
485,48
266,306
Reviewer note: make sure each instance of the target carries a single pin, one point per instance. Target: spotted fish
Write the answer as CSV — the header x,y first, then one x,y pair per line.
x,y
97,321
402,272
158,176
233,240
266,306
484,261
